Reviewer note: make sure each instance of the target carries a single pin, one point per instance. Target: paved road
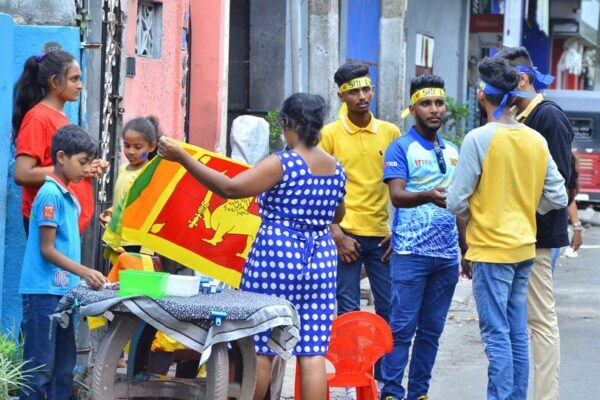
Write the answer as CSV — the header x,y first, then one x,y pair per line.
x,y
461,368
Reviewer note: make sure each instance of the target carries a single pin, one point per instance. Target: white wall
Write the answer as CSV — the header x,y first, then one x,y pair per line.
x,y
447,22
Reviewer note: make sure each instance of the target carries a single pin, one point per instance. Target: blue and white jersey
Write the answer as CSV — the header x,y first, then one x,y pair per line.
x,y
426,230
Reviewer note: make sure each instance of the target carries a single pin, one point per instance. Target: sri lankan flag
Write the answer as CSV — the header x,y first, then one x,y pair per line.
x,y
171,213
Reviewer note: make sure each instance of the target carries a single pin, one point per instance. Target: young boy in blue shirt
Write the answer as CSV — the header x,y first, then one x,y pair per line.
x,y
52,267
418,169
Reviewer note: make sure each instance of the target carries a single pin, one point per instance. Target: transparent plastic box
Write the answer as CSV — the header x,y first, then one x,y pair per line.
x,y
183,285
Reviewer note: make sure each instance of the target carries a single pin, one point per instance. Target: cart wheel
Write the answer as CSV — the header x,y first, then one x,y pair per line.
x,y
103,375
217,373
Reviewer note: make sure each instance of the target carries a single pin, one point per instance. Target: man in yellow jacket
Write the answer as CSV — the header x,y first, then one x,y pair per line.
x,y
504,174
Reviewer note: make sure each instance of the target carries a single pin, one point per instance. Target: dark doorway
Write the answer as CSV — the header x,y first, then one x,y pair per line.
x,y
238,97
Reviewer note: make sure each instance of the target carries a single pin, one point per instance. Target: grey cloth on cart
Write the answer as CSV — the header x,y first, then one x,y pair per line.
x,y
188,319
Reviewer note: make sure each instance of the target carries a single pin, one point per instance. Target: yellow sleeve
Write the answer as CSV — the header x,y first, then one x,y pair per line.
x,y
326,142
396,132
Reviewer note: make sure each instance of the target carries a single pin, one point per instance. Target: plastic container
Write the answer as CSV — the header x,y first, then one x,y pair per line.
x,y
183,285
143,283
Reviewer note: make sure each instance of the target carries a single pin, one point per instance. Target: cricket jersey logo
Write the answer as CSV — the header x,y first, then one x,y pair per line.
x,y
423,163
48,212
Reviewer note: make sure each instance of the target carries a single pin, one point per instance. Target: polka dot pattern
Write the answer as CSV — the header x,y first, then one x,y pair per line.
x,y
293,255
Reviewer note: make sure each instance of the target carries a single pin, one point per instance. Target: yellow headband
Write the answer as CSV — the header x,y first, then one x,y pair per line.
x,y
363,81
423,94
426,92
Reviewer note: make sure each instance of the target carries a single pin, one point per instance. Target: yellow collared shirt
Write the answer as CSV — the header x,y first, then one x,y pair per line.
x,y
361,151
534,103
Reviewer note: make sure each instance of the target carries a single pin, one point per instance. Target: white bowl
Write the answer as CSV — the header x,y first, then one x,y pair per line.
x,y
182,285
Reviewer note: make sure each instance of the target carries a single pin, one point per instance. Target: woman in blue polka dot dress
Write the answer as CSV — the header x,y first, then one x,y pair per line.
x,y
293,256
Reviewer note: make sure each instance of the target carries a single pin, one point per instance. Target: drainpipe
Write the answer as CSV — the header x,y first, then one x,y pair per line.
x,y
295,49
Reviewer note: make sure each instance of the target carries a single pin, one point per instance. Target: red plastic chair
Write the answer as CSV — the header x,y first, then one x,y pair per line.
x,y
358,340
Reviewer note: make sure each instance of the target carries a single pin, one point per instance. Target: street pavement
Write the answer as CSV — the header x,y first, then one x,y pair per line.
x,y
460,372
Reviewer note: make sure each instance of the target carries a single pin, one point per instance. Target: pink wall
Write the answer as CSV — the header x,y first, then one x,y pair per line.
x,y
208,22
156,89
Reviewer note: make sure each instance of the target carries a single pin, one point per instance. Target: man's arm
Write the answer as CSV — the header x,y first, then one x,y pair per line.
x,y
554,195
466,266
466,179
461,225
402,198
396,173
576,238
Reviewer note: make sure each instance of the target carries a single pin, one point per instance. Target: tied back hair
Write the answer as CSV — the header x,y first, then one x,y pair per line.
x,y
500,74
149,128
304,113
34,82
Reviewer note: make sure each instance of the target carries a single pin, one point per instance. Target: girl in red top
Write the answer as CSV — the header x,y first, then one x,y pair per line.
x,y
48,81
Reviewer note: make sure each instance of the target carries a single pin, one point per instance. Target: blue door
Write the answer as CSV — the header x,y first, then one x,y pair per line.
x,y
362,37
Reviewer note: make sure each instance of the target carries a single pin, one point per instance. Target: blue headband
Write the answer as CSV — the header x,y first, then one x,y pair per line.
x,y
489,89
541,78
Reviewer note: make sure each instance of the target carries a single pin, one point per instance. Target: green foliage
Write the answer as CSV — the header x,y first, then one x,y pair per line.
x,y
275,141
454,124
457,140
13,371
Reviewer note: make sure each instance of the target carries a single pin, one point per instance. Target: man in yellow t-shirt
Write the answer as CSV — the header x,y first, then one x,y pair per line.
x,y
359,140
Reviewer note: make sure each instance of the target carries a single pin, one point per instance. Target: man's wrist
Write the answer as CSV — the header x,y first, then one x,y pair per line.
x,y
427,196
577,226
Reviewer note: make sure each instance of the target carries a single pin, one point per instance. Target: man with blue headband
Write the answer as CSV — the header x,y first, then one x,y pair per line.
x,y
504,174
549,120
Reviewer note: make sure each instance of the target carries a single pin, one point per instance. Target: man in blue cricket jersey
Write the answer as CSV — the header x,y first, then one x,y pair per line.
x,y
419,167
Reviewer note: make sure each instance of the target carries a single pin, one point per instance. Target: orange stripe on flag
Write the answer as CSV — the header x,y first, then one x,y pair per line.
x,y
169,212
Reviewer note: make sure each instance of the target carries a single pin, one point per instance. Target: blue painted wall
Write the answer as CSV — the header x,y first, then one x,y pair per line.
x,y
538,45
6,49
18,43
363,37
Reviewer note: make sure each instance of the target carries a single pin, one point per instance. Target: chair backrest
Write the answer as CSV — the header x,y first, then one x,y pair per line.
x,y
358,340
136,261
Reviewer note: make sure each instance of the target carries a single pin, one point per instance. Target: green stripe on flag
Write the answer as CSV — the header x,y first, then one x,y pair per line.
x,y
142,180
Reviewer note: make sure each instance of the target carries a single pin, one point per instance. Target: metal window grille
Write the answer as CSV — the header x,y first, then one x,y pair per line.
x,y
148,33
